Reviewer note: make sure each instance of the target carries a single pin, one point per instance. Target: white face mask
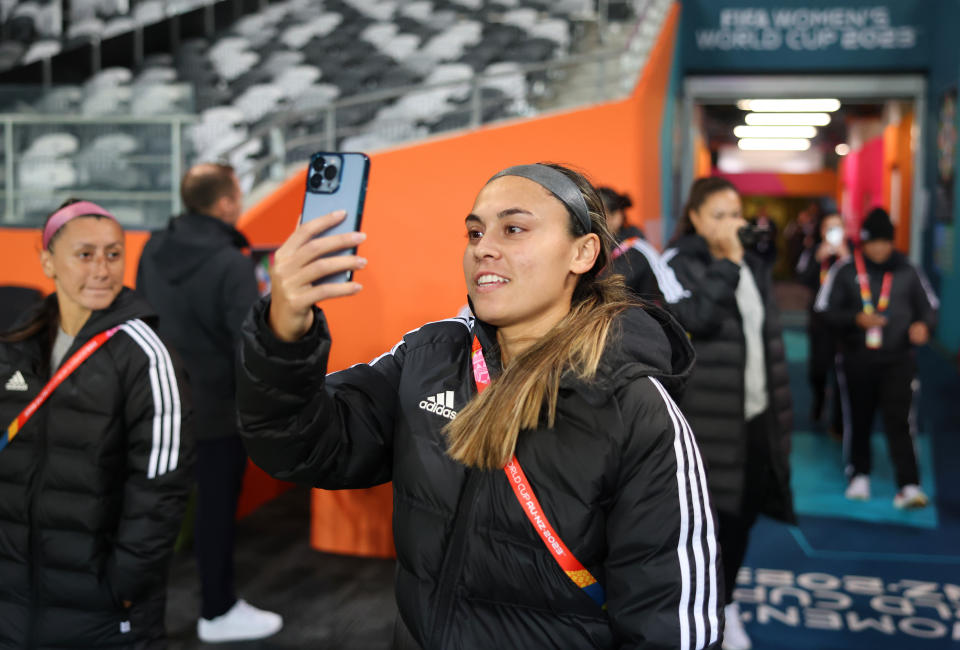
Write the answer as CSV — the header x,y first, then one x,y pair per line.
x,y
834,236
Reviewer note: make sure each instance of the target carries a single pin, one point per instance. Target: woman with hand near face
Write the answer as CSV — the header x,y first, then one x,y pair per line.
x,y
828,247
94,475
544,423
738,397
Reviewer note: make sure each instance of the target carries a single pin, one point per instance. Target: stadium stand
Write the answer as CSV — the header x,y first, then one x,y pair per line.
x,y
362,74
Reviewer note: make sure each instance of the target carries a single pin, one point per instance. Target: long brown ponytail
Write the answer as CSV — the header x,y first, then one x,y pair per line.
x,y
485,432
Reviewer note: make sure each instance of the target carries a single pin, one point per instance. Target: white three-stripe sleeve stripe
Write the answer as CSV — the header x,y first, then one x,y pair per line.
x,y
666,278
822,302
162,371
690,464
162,403
157,400
672,290
173,415
165,449
682,613
712,613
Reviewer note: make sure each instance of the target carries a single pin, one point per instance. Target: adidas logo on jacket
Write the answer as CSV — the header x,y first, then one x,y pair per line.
x,y
441,404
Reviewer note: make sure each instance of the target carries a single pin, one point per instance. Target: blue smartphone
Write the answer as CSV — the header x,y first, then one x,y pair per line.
x,y
336,181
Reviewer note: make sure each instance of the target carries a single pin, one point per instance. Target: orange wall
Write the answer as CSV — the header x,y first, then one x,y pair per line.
x,y
417,199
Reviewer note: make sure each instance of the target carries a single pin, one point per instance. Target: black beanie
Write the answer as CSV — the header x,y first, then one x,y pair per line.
x,y
877,225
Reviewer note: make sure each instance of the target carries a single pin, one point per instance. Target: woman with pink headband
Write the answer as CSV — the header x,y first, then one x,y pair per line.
x,y
95,453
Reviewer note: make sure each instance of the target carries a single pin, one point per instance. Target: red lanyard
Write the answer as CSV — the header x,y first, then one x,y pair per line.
x,y
531,507
865,296
65,370
623,247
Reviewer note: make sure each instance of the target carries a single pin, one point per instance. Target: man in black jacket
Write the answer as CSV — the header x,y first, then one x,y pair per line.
x,y
880,306
197,277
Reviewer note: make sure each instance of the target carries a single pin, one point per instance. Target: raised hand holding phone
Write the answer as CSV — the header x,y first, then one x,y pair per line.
x,y
318,260
336,181
302,260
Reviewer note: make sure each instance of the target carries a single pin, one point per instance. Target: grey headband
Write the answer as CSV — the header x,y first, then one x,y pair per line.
x,y
557,183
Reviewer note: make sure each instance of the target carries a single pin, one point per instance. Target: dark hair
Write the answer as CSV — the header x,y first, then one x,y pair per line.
x,y
204,184
613,200
701,190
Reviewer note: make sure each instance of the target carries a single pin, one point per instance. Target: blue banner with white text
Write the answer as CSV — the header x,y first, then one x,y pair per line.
x,y
798,35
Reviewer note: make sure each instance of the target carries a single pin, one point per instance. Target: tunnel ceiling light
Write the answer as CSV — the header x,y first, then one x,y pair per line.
x,y
775,131
787,119
842,149
773,144
789,105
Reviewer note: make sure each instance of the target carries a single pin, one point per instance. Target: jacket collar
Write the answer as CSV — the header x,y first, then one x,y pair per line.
x,y
207,227
645,341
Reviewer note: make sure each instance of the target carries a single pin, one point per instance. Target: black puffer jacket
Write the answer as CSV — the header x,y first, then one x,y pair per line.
x,y
92,490
618,477
197,277
911,300
706,306
639,263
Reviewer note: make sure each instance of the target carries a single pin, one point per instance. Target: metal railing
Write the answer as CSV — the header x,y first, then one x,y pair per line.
x,y
576,80
141,186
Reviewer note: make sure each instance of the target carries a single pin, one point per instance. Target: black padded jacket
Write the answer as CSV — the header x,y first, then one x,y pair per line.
x,y
93,488
911,300
619,477
639,263
197,277
706,306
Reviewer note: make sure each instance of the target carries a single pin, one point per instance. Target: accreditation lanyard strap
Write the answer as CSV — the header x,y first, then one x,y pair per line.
x,y
65,370
866,297
531,506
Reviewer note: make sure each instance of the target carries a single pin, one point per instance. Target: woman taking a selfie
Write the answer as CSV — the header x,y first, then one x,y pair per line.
x,y
547,491
94,464
738,397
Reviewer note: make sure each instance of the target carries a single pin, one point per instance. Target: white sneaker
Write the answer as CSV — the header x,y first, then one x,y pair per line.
x,y
859,488
734,636
242,622
910,496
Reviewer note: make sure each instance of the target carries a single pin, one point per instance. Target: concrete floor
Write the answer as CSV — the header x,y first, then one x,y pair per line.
x,y
327,601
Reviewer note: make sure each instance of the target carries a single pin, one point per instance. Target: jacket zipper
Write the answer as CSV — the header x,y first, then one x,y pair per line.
x,y
453,562
34,533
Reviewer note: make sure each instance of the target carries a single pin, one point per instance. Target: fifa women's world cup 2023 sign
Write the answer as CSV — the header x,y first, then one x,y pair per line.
x,y
728,35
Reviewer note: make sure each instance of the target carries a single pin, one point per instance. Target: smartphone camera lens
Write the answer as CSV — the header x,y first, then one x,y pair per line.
x,y
316,181
330,173
318,163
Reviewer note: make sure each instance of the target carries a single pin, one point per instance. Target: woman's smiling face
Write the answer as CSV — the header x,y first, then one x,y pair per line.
x,y
86,261
521,262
